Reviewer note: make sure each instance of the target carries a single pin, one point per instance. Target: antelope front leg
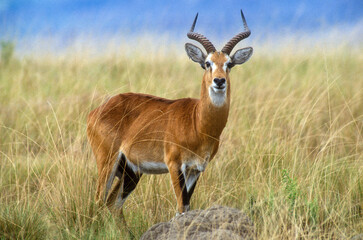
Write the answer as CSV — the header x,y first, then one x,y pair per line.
x,y
180,190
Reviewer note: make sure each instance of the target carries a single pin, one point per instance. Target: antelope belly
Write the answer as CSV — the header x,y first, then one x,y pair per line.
x,y
148,167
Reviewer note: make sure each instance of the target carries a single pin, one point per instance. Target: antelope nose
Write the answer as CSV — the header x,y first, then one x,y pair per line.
x,y
219,81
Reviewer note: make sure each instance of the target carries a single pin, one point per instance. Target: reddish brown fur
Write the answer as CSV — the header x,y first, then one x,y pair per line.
x,y
149,128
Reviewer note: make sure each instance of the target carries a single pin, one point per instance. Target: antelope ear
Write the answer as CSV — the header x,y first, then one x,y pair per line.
x,y
242,55
195,54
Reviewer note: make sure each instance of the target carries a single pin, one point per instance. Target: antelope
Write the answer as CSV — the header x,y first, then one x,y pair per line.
x,y
133,134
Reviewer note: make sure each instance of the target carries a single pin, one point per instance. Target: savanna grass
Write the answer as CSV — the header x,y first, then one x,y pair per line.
x,y
291,156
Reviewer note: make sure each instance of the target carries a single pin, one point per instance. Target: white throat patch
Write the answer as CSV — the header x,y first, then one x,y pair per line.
x,y
218,99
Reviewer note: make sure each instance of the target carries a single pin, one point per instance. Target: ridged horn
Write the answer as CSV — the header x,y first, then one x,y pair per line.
x,y
200,38
239,37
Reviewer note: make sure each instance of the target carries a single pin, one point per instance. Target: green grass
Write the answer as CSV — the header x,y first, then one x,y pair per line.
x,y
291,156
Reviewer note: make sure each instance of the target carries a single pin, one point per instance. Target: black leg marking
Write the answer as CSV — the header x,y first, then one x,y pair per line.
x,y
184,189
191,190
130,181
117,170
185,193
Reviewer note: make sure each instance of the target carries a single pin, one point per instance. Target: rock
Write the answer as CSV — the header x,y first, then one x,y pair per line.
x,y
217,222
357,237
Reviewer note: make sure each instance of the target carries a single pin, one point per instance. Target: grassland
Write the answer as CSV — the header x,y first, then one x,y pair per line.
x,y
291,156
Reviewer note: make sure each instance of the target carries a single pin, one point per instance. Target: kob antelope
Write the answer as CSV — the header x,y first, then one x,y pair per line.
x,y
132,134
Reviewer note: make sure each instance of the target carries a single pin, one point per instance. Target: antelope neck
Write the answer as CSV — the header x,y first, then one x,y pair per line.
x,y
211,119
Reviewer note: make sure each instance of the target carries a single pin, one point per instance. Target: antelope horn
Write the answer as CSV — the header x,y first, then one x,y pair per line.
x,y
200,38
239,37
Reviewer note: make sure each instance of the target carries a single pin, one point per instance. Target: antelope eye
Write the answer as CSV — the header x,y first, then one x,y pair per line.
x,y
230,65
207,64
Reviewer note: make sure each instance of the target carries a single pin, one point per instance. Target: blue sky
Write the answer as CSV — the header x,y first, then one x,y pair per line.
x,y
19,18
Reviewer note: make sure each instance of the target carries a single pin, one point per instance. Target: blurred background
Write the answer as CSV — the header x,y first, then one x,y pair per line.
x,y
67,20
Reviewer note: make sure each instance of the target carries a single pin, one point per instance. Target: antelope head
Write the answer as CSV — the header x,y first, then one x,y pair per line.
x,y
217,65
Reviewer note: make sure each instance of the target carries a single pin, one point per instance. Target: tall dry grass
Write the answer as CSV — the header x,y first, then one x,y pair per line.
x,y
291,156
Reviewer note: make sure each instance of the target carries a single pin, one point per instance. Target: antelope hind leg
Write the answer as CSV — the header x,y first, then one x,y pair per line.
x,y
129,183
117,170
